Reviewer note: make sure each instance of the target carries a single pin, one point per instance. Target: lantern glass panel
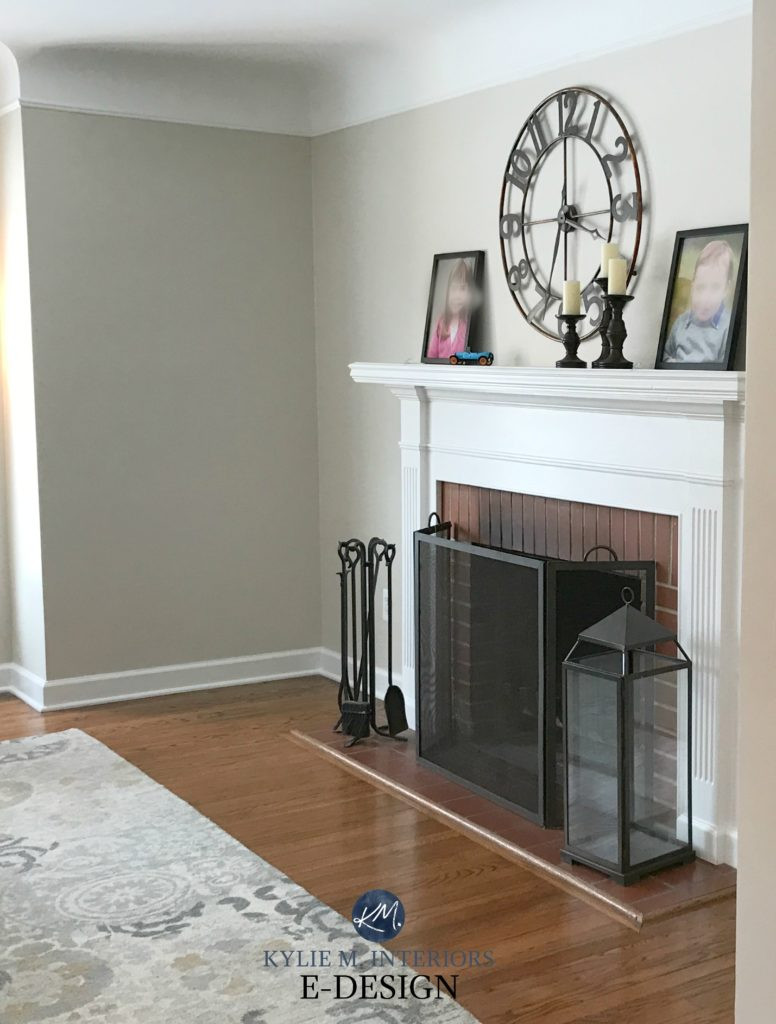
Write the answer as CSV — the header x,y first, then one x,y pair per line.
x,y
658,768
592,765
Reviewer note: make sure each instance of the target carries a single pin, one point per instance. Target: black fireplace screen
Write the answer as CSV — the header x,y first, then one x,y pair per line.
x,y
492,629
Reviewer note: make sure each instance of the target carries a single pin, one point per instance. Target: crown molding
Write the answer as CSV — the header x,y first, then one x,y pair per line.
x,y
155,118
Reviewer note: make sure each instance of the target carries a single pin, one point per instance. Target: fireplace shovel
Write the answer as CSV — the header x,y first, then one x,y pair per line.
x,y
395,712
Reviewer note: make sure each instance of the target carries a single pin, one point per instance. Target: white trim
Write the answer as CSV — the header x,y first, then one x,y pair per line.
x,y
719,846
72,108
10,107
667,392
85,691
586,466
23,684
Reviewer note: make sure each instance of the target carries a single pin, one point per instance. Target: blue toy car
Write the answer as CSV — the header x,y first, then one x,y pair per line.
x,y
470,358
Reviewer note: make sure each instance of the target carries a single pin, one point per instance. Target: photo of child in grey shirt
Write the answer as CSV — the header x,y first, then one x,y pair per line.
x,y
699,335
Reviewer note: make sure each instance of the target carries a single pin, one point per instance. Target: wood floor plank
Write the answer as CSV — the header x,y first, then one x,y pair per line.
x,y
557,960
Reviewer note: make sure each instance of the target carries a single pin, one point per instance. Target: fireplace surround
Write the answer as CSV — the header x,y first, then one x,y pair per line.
x,y
648,441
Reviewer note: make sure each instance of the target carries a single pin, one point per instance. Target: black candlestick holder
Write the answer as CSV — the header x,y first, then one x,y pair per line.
x,y
571,340
616,335
606,316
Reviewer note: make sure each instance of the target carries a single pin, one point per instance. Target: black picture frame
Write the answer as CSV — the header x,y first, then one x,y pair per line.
x,y
472,338
738,304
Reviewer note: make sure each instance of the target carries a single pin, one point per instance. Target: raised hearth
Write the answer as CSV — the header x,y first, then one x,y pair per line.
x,y
664,443
393,768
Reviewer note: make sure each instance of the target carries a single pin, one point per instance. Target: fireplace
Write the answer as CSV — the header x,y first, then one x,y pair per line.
x,y
668,446
493,626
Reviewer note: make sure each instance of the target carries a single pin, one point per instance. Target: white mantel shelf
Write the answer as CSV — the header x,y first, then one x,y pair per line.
x,y
660,441
678,391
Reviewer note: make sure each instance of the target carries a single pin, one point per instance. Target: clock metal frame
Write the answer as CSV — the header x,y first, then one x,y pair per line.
x,y
521,171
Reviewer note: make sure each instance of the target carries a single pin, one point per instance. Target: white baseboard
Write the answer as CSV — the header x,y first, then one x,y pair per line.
x,y
331,667
82,691
709,842
22,684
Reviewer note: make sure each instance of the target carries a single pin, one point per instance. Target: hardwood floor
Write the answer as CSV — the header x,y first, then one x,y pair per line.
x,y
393,767
557,960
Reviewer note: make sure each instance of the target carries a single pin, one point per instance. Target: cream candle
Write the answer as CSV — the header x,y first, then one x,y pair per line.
x,y
571,300
609,251
618,274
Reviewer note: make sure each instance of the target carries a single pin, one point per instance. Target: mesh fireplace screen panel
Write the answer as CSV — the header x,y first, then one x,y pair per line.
x,y
480,638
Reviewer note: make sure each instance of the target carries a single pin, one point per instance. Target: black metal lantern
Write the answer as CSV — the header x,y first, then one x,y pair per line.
x,y
627,737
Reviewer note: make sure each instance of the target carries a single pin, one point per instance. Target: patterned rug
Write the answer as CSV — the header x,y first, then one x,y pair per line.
x,y
120,903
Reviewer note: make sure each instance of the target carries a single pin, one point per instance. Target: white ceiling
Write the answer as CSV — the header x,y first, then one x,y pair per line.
x,y
310,66
233,24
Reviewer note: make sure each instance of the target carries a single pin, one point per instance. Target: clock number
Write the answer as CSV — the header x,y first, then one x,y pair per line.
x,y
566,126
517,276
536,128
615,158
593,119
520,168
625,208
592,299
546,300
511,225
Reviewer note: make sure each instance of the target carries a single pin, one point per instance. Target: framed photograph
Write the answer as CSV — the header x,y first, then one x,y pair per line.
x,y
706,299
454,302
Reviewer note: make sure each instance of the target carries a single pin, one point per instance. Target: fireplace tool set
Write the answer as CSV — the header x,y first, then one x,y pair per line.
x,y
359,575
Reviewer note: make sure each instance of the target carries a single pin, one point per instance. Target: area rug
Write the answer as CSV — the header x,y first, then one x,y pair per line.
x,y
120,903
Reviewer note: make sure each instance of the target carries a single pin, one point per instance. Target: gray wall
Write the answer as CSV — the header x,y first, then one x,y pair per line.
x,y
171,280
389,194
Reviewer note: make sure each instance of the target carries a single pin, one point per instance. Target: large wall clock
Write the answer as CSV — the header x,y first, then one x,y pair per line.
x,y
571,182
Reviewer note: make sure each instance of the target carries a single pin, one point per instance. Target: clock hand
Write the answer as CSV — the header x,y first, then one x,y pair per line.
x,y
594,213
591,231
552,268
554,220
545,220
564,204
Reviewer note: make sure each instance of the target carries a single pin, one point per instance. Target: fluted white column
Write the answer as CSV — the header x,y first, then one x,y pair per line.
x,y
415,509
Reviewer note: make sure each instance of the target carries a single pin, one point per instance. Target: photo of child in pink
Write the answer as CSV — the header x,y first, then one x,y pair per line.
x,y
452,328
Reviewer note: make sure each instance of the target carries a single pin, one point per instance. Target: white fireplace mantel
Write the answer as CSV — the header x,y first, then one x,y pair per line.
x,y
659,441
666,391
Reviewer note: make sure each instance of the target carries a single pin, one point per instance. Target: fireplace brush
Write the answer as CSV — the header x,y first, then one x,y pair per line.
x,y
359,575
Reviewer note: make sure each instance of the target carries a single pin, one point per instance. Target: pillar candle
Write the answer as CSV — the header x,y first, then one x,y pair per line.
x,y
609,251
571,303
618,274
